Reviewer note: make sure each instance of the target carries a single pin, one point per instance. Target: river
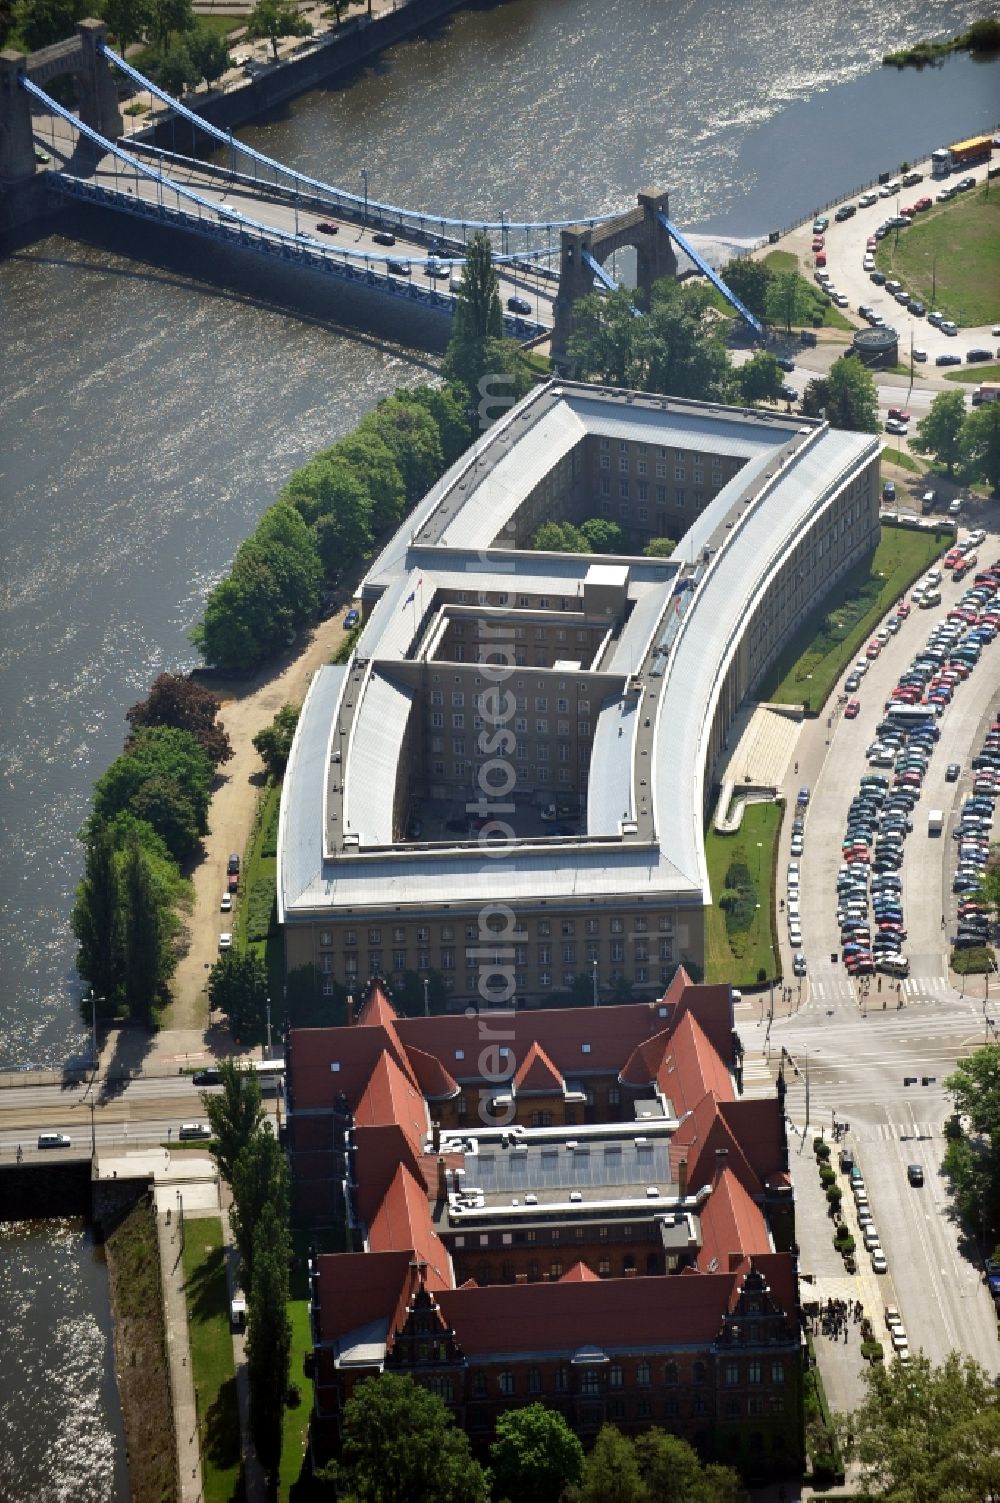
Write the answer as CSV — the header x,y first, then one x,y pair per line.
x,y
148,416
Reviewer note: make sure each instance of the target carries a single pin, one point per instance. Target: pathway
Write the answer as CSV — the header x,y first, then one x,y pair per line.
x,y
169,1232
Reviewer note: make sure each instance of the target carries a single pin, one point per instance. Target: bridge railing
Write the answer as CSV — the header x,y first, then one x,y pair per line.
x,y
336,195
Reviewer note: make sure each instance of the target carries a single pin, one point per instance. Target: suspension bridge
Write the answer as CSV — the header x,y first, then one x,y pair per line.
x,y
223,190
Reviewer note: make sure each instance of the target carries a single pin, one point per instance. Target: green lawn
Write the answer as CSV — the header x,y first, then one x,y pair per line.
x,y
780,261
258,879
212,1359
950,257
295,1430
806,673
974,375
904,461
740,945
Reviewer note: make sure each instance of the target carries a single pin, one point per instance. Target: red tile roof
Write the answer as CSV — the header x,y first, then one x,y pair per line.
x,y
701,1137
376,1010
313,1052
578,1274
355,1288
714,1009
404,1220
622,1314
378,1154
690,1066
432,1077
537,1074
390,1096
757,1127
731,1225
642,1064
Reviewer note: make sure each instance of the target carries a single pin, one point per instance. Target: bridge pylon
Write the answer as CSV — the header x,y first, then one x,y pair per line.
x,y
640,228
79,55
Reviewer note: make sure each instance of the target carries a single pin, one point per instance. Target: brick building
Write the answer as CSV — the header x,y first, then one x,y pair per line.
x,y
573,1206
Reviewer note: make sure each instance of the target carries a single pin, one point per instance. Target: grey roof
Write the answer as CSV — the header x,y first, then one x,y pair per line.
x,y
373,759
301,819
610,794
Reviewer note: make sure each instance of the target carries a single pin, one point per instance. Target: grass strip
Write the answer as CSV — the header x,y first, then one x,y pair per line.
x,y
950,256
827,641
214,1374
832,318
133,1260
743,951
259,875
974,375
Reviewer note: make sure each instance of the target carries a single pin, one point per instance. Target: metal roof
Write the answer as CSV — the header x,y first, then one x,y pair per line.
x,y
300,819
373,764
610,792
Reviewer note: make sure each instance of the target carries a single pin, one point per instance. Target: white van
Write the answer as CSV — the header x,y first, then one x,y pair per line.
x,y
870,1237
194,1130
54,1140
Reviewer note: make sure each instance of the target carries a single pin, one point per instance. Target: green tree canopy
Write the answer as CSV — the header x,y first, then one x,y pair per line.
x,y
209,53
609,342
659,548
174,69
178,700
560,537
163,777
760,379
259,1182
237,986
975,1087
535,1455
128,20
96,917
375,464
236,1114
926,1433
789,300
939,432
147,957
851,396
478,314
675,348
611,1471
167,17
410,432
277,18
409,998
446,405
602,536
400,1442
672,1472
751,282
274,742
979,443
269,1335
42,22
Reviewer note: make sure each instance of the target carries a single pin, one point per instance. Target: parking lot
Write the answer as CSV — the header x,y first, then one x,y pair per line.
x,y
856,845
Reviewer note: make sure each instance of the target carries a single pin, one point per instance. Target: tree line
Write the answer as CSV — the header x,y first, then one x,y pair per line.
x,y
330,512
677,346
149,812
967,444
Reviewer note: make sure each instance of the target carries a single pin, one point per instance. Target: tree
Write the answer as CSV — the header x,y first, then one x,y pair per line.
x,y
269,1335
609,342
42,22
687,357
851,396
237,987
399,1442
376,467
169,16
128,20
209,53
560,537
174,69
259,1182
940,431
96,915
410,996
411,434
276,18
478,314
789,300
274,742
178,700
975,1087
751,282
611,1472
659,548
477,349
176,802
979,442
146,959
760,379
814,398
926,1432
672,1472
602,536
331,494
446,406
236,1114
535,1455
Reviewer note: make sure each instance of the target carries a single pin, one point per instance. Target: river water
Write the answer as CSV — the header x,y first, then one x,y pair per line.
x,y
147,416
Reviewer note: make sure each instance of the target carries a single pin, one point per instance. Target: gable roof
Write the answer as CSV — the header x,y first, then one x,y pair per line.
x,y
690,1066
322,1062
432,1077
701,1138
376,1009
642,1064
379,1152
392,1097
404,1220
537,1074
758,1127
578,1274
732,1226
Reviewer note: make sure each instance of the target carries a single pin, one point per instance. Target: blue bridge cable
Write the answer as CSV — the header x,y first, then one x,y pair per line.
x,y
599,272
711,274
338,194
227,221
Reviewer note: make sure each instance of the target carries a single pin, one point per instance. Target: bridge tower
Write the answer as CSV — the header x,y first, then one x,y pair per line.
x,y
98,96
639,228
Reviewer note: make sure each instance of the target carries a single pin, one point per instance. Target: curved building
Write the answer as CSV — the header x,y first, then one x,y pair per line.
x,y
506,787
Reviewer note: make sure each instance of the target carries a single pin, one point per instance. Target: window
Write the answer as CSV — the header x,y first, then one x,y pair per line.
x,y
604,1268
623,491
555,1272
678,472
374,936
479,1385
591,1381
670,1375
679,497
534,1380
753,1372
642,1375
732,1374
605,461
698,1372
562,1379
777,1372
399,960
458,722
615,1377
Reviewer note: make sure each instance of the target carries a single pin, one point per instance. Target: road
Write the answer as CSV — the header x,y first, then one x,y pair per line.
x,y
855,1053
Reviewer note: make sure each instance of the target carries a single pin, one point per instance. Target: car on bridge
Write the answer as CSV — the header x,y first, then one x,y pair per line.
x,y
54,1140
398,268
518,305
384,237
327,227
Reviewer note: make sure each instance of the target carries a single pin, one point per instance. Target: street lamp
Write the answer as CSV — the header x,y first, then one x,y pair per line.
x,y
93,1026
364,179
594,964
427,996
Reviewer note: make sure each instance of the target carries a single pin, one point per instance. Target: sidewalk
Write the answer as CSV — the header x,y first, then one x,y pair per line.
x,y
179,1356
254,1481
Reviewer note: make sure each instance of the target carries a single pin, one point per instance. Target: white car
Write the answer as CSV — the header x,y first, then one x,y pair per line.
x,y
226,941
861,667
977,538
226,903
879,1262
868,264
797,845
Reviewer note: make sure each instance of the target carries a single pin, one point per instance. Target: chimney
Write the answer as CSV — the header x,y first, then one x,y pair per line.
x,y
682,1178
436,1137
442,1179
721,1161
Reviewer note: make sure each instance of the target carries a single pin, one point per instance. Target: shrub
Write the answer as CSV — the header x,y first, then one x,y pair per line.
x,y
823,1152
872,1351
843,1234
819,1144
846,1246
974,962
260,908
834,1195
827,1174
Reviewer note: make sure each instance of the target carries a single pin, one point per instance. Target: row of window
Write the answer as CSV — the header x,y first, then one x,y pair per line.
x,y
520,725
680,472
568,928
595,1380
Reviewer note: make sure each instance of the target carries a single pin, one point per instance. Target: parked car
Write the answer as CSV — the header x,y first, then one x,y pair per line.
x,y
352,618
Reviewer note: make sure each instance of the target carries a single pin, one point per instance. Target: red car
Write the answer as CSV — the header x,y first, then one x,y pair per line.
x,y
922,205
873,649
851,709
952,557
821,259
327,227
818,242
900,414
903,610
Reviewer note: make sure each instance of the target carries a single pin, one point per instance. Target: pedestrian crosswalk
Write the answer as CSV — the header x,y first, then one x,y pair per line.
x,y
879,1132
913,989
